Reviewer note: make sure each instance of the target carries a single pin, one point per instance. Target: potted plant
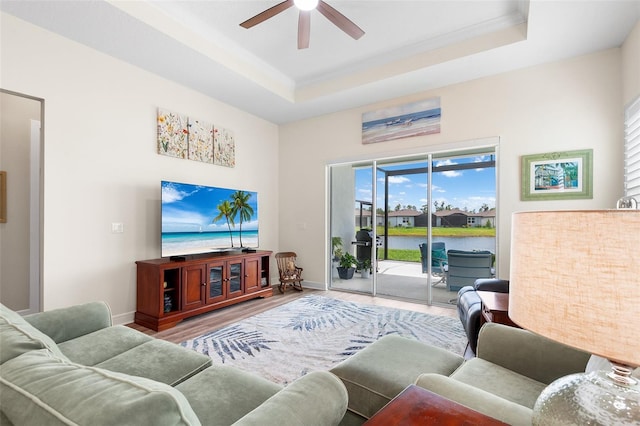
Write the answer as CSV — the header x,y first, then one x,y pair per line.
x,y
336,248
347,266
365,268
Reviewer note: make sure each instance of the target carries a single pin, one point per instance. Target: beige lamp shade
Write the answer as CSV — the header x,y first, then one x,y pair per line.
x,y
575,278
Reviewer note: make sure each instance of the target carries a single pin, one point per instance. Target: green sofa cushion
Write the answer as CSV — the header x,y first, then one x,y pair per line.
x,y
73,321
164,361
315,399
39,388
381,371
528,353
476,399
220,395
99,346
499,381
17,336
120,348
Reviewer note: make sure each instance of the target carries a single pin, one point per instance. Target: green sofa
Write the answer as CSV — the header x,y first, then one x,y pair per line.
x,y
510,371
72,366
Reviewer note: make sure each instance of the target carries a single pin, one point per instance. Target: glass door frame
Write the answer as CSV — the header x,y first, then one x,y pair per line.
x,y
478,146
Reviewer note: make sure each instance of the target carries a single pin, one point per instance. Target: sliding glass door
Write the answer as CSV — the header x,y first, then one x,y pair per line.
x,y
463,218
395,219
352,227
403,199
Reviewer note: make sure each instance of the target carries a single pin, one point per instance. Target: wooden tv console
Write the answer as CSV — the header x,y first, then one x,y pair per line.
x,y
170,291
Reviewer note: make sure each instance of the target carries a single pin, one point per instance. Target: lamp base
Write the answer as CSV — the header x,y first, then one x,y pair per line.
x,y
588,399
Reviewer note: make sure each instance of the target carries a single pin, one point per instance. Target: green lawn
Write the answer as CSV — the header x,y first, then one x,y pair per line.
x,y
440,232
403,255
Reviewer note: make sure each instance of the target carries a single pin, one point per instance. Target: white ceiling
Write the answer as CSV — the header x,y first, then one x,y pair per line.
x,y
409,46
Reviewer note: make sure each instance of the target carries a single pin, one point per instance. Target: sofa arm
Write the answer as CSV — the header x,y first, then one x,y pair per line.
x,y
318,398
529,354
75,321
476,399
492,284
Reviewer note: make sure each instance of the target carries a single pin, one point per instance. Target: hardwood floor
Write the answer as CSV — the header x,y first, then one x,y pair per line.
x,y
201,324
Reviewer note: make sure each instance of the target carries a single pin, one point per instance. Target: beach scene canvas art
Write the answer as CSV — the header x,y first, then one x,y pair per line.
x,y
402,121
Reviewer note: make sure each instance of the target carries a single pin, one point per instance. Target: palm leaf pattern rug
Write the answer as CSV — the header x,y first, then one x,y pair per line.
x,y
315,333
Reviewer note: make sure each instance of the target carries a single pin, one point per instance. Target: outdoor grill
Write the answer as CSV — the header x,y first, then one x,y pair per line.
x,y
363,245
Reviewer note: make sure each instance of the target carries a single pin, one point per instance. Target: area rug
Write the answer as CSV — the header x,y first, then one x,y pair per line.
x,y
315,333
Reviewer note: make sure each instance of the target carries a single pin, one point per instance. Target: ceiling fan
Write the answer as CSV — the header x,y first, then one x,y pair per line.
x,y
304,19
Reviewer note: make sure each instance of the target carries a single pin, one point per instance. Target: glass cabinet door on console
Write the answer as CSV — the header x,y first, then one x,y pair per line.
x,y
225,280
216,284
235,279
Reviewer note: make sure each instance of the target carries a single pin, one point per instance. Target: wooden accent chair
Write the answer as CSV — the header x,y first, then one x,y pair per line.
x,y
290,273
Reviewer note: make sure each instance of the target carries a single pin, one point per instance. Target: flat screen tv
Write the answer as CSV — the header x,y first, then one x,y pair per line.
x,y
200,219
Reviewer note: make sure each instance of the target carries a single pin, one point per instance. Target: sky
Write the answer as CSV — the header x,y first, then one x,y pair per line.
x,y
191,208
469,188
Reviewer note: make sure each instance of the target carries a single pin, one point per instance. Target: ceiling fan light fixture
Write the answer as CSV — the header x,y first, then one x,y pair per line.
x,y
306,4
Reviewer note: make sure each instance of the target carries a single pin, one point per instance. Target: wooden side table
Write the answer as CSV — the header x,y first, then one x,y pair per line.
x,y
418,406
495,308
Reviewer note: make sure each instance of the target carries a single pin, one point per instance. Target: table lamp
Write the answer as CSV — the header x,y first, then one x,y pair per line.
x,y
575,279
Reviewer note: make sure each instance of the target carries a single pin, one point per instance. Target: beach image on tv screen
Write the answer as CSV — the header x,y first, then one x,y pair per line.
x,y
201,219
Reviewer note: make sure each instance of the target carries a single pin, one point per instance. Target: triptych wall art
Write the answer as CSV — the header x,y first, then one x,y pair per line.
x,y
189,138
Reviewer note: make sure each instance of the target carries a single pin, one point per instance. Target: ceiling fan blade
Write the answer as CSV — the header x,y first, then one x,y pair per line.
x,y
304,28
269,13
341,21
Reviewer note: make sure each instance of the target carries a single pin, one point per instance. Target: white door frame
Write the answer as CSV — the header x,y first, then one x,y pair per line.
x,y
35,219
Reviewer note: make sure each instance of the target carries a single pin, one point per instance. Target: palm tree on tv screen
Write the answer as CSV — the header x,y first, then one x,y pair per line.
x,y
242,208
227,212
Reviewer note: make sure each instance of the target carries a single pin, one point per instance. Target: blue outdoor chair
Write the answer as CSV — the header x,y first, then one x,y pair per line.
x,y
438,260
465,267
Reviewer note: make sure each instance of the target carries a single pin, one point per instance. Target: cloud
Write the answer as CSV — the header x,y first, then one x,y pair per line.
x,y
398,179
170,194
446,162
449,173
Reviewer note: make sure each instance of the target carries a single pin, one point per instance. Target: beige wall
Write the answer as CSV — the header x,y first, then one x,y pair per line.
x,y
101,164
16,114
567,105
631,65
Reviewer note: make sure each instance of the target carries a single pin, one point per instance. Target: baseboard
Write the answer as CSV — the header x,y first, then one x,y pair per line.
x,y
314,285
122,319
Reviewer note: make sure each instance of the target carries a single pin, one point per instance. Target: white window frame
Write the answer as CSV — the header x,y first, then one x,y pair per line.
x,y
632,149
